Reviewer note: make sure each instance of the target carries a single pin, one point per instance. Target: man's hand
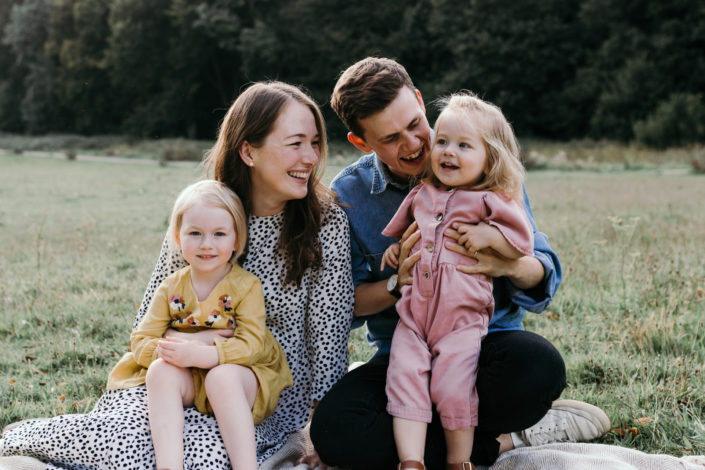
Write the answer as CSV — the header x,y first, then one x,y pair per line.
x,y
408,239
489,262
182,353
525,272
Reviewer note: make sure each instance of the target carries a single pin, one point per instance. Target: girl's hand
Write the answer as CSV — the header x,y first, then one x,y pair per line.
x,y
204,336
391,256
182,353
489,262
406,262
474,237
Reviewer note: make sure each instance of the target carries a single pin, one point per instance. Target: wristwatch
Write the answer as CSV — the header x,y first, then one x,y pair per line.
x,y
393,286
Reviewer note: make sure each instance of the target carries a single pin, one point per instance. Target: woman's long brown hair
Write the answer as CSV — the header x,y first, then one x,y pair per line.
x,y
251,118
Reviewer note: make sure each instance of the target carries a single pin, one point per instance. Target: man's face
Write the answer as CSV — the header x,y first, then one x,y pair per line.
x,y
400,134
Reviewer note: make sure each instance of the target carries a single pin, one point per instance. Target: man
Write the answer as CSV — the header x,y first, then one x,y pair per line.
x,y
520,373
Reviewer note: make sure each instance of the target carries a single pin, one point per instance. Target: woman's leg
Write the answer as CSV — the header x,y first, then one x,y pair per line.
x,y
169,389
231,391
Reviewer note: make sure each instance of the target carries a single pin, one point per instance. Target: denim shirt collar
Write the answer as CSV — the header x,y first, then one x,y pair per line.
x,y
381,177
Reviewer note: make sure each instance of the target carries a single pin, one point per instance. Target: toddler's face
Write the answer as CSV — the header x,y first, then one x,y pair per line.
x,y
207,237
458,155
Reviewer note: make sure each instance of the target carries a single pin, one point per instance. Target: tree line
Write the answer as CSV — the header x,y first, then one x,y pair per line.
x,y
561,69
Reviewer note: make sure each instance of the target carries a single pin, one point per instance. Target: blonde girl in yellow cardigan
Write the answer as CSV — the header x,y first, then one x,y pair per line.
x,y
208,225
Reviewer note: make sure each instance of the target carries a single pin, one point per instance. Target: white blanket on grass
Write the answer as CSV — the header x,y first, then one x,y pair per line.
x,y
563,456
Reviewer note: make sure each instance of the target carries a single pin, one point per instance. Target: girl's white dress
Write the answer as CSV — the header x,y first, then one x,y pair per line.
x,y
311,322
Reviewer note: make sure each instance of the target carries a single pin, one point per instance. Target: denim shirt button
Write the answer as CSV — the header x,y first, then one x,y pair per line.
x,y
429,247
439,216
427,274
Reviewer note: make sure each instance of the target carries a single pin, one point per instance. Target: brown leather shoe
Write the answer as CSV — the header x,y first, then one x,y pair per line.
x,y
460,466
411,464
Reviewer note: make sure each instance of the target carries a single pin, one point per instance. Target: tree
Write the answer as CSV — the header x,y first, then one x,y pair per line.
x,y
26,34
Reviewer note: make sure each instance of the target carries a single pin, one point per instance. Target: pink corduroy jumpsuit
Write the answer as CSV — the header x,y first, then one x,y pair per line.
x,y
444,315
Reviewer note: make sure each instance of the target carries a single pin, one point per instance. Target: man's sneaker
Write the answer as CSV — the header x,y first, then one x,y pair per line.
x,y
566,421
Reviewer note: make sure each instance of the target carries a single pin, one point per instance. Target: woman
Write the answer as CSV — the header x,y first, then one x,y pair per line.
x,y
271,151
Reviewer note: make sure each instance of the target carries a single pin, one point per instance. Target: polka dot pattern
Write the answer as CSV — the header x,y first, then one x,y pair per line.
x,y
311,322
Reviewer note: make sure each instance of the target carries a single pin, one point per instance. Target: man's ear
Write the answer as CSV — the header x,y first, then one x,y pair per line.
x,y
420,100
358,142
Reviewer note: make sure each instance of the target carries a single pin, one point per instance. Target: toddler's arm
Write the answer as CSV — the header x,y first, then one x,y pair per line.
x,y
478,237
391,256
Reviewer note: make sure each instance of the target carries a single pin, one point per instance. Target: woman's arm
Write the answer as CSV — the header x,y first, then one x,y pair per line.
x,y
168,263
330,305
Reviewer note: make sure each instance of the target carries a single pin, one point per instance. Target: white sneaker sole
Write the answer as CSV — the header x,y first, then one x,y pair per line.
x,y
587,411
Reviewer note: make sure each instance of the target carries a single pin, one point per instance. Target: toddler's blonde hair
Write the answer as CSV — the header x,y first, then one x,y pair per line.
x,y
505,173
215,194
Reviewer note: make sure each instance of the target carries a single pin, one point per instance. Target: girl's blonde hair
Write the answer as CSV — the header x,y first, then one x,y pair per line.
x,y
215,194
504,173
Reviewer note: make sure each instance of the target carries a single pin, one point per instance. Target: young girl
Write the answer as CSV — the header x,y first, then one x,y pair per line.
x,y
208,225
476,179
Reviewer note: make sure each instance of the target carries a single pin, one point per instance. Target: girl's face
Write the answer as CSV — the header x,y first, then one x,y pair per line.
x,y
458,155
207,239
282,166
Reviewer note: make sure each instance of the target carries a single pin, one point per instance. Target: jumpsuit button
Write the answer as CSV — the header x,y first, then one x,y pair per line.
x,y
427,274
429,247
439,216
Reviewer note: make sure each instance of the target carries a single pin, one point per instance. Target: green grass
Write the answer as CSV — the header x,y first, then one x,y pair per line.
x,y
80,238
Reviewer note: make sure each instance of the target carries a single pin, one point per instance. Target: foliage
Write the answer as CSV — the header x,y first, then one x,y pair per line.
x,y
559,69
680,120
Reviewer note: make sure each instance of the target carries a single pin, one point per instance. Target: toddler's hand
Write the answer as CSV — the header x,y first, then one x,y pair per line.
x,y
181,353
391,256
474,237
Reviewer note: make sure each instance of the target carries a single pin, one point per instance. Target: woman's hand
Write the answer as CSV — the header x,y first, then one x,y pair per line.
x,y
184,353
408,239
203,336
310,456
312,460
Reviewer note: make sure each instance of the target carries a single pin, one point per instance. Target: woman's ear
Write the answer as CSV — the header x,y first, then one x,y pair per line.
x,y
358,142
246,154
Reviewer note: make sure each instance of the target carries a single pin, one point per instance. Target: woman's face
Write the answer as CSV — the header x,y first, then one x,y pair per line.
x,y
282,166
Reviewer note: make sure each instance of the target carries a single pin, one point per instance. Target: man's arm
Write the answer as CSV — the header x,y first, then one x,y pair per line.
x,y
373,297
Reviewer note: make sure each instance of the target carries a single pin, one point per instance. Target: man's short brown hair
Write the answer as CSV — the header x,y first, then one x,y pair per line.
x,y
366,88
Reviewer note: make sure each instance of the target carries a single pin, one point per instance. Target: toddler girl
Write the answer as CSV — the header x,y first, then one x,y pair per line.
x,y
208,225
476,179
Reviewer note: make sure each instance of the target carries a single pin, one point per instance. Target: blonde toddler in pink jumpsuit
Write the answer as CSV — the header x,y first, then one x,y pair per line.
x,y
443,317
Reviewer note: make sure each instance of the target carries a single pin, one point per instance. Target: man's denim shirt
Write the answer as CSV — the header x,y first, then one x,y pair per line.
x,y
371,198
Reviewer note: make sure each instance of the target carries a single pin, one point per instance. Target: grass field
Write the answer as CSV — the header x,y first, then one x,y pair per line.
x,y
80,238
